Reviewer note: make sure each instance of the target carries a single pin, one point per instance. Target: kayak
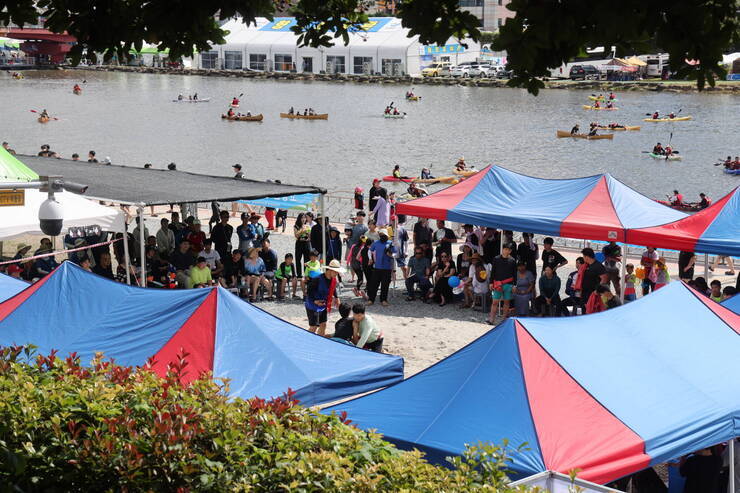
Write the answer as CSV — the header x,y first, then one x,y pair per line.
x,y
243,118
562,134
466,173
402,115
204,100
600,98
732,171
43,119
618,129
233,106
413,98
586,107
677,119
672,157
322,116
447,180
77,91
686,206
394,179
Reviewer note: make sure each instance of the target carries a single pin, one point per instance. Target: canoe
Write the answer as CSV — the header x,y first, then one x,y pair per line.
x,y
448,180
465,173
414,98
322,116
685,207
402,115
204,100
562,134
586,107
672,157
77,92
233,106
677,119
243,118
618,129
394,179
43,119
597,98
732,171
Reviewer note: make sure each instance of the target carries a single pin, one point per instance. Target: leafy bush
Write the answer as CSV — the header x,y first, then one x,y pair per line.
x,y
104,427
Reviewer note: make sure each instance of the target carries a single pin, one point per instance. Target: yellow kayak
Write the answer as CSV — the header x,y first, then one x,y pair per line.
x,y
677,119
413,98
466,173
451,180
586,107
599,98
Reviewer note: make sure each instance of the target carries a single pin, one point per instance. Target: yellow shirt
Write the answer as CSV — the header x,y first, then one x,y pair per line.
x,y
199,276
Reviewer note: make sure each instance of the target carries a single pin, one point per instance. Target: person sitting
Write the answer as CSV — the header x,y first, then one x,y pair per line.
x,y
235,101
592,132
366,334
671,115
658,149
419,268
179,97
477,280
305,111
576,128
676,198
230,113
549,297
182,260
668,151
415,191
607,297
426,174
344,327
460,165
704,201
77,88
574,297
395,111
656,115
286,274
387,110
233,273
291,111
612,96
200,274
609,105
213,258
597,105
195,97
255,270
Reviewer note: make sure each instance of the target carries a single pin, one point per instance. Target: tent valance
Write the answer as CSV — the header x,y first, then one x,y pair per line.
x,y
610,393
126,184
596,207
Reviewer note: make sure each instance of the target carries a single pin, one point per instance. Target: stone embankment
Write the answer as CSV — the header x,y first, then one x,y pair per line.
x,y
591,85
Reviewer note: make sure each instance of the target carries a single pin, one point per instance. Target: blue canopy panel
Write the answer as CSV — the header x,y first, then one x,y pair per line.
x,y
654,364
733,304
264,356
10,286
476,394
295,202
72,310
723,234
635,210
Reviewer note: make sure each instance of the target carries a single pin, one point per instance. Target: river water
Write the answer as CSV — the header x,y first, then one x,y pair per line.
x,y
131,118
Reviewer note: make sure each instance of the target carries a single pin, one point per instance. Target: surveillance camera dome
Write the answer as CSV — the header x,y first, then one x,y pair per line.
x,y
51,217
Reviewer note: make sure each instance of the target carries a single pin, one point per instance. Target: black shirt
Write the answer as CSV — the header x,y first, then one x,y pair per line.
x,y
343,329
525,254
269,257
701,473
683,260
552,259
221,237
422,234
504,268
591,279
233,269
491,248
104,271
445,247
374,194
182,261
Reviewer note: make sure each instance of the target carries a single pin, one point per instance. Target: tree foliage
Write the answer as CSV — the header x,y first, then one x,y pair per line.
x,y
104,427
542,35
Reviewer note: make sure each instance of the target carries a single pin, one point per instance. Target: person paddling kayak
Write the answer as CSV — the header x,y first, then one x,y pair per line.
x,y
656,115
77,88
705,201
676,198
235,101
612,96
658,149
575,129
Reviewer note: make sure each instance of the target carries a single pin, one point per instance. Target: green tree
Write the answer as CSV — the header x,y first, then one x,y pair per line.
x,y
542,35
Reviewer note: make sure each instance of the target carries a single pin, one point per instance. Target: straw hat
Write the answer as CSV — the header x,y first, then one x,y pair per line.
x,y
335,266
21,247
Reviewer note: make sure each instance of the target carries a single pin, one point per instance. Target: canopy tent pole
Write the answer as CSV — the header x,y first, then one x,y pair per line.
x,y
622,273
126,256
324,228
706,268
142,240
732,466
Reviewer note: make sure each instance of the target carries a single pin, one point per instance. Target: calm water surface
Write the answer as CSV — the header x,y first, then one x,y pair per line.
x,y
130,117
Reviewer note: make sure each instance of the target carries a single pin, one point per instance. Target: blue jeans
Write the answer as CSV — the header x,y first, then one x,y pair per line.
x,y
423,283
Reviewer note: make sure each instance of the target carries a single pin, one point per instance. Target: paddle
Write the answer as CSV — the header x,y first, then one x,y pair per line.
x,y
51,117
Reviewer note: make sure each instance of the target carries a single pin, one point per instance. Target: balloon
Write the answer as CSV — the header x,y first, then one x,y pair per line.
x,y
314,273
453,281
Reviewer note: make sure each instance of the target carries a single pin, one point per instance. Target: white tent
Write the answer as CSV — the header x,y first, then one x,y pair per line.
x,y
555,482
78,211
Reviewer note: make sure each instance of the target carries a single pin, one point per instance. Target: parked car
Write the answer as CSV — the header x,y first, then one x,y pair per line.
x,y
484,70
463,69
584,72
437,69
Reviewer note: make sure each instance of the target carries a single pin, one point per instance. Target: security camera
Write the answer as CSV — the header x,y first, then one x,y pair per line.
x,y
73,187
51,217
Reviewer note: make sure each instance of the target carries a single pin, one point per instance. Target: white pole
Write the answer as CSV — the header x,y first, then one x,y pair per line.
x,y
706,267
732,466
324,228
126,256
622,272
142,240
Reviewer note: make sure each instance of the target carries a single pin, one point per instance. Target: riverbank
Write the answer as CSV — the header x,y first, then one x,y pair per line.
x,y
722,87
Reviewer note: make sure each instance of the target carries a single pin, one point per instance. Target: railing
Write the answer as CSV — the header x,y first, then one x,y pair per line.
x,y
17,61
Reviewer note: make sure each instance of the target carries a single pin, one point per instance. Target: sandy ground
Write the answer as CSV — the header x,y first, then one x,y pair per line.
x,y
422,334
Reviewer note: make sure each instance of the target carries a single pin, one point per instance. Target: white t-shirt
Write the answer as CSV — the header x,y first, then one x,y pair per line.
x,y
478,286
211,257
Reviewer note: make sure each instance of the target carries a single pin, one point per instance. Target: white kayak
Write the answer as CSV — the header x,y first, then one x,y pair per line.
x,y
402,115
203,100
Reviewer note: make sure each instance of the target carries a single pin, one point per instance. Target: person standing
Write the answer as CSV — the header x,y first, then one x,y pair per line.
x,y
551,257
319,297
376,191
594,275
444,237
686,262
358,230
221,235
165,239
527,252
612,256
302,234
423,236
503,272
648,259
381,253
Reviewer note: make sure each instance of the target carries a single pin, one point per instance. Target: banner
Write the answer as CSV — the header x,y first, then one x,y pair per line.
x,y
283,24
300,202
444,50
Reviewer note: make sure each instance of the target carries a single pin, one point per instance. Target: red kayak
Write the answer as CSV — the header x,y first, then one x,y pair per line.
x,y
393,178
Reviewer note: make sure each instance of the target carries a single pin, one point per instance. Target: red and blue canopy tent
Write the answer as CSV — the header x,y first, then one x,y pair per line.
x,y
733,303
597,207
610,393
715,229
10,286
72,310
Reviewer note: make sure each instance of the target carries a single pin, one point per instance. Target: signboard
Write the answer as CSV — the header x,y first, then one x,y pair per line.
x,y
444,50
283,24
295,202
12,198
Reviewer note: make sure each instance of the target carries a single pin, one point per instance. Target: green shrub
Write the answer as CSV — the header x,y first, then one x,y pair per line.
x,y
104,427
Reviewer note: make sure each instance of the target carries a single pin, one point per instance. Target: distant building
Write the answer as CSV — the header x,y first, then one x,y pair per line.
x,y
492,13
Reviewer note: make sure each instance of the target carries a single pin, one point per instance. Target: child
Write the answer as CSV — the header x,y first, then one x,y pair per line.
x,y
286,274
359,199
661,273
629,284
343,328
716,294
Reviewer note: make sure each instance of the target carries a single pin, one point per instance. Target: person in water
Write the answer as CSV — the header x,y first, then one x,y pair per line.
x,y
77,88
676,198
235,101
179,97
44,114
575,129
658,149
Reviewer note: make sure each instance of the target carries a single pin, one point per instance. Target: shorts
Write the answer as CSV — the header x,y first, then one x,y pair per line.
x,y
505,293
630,297
401,261
315,318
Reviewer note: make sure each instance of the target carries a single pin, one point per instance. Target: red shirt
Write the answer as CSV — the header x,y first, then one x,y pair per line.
x,y
196,240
